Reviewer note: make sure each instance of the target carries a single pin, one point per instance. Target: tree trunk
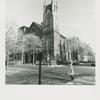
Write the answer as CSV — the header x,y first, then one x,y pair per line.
x,y
22,57
33,59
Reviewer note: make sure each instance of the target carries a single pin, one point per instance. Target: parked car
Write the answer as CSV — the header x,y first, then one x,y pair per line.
x,y
93,63
75,63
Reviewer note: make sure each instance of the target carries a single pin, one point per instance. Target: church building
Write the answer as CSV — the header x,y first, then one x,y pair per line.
x,y
55,44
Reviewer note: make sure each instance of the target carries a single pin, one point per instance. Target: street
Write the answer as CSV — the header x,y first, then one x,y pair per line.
x,y
56,75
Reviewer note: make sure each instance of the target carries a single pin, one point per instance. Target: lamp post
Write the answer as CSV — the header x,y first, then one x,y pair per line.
x,y
40,59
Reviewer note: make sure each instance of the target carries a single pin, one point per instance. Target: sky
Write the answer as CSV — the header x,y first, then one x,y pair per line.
x,y
76,17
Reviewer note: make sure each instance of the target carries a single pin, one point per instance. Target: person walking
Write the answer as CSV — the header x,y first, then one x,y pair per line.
x,y
71,71
48,60
6,63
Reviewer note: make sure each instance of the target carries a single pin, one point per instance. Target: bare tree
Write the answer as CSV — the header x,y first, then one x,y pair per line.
x,y
32,43
80,48
11,38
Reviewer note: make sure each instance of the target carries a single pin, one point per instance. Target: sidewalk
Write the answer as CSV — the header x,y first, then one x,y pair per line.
x,y
57,66
84,80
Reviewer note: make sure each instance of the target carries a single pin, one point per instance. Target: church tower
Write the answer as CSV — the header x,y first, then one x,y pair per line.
x,y
50,26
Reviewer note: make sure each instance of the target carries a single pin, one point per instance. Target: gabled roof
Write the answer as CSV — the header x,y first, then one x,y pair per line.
x,y
62,36
36,29
23,27
37,25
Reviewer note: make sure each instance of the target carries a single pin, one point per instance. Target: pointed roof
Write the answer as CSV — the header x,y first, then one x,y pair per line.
x,y
37,25
37,28
47,2
23,28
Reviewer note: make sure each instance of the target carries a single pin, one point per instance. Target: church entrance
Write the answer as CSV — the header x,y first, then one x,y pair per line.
x,y
29,57
26,58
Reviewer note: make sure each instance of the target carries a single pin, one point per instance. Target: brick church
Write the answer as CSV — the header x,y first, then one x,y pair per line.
x,y
55,44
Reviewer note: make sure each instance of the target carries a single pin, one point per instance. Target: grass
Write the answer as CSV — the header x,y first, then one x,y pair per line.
x,y
27,74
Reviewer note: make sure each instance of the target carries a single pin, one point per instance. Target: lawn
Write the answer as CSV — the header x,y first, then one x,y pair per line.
x,y
27,74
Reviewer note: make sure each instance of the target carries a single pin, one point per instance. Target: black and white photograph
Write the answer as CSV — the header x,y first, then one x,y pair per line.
x,y
50,42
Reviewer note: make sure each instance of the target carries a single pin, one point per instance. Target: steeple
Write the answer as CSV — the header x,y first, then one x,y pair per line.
x,y
47,2
51,1
50,28
50,16
44,3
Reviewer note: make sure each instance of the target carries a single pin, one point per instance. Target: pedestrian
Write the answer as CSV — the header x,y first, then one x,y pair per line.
x,y
57,59
48,60
6,63
71,70
32,59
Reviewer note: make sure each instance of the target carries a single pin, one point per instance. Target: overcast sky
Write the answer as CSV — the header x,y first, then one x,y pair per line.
x,y
76,17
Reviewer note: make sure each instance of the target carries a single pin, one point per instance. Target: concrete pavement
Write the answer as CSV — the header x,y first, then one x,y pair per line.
x,y
83,81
